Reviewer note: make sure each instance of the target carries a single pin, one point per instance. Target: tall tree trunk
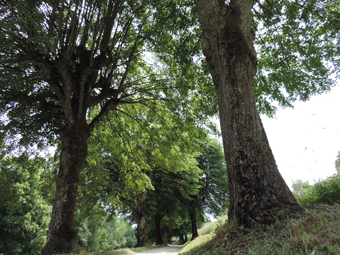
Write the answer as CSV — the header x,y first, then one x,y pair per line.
x,y
158,220
167,235
140,215
256,188
62,230
181,239
193,224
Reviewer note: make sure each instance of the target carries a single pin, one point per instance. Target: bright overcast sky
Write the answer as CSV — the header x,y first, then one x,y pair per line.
x,y
306,140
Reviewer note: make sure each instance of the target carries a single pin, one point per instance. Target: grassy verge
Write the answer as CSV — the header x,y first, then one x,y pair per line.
x,y
117,252
315,232
205,235
207,228
192,247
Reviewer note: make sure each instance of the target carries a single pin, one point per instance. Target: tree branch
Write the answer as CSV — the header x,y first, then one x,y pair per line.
x,y
109,106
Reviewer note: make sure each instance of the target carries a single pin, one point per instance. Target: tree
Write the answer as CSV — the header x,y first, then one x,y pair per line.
x,y
23,212
337,163
323,192
171,191
256,188
58,60
103,232
123,159
213,193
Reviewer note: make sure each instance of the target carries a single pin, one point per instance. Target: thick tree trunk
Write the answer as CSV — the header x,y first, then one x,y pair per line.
x,y
256,188
167,235
140,215
193,224
181,239
62,230
158,220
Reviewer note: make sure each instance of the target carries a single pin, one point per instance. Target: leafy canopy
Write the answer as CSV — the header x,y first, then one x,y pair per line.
x,y
23,212
60,58
298,50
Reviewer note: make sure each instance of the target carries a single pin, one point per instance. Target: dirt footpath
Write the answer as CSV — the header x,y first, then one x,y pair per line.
x,y
167,250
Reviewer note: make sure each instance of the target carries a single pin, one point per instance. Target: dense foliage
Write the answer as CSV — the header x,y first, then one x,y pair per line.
x,y
58,69
104,233
323,192
298,50
24,216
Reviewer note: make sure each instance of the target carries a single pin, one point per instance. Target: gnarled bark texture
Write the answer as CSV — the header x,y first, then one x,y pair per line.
x,y
256,188
140,215
62,230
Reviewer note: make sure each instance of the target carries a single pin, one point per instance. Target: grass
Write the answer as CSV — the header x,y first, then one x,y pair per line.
x,y
205,235
116,252
198,244
315,232
207,228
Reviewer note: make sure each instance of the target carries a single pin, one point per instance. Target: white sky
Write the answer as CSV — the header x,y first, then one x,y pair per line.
x,y
306,140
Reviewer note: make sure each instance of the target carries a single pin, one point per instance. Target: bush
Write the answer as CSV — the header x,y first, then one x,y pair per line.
x,y
323,192
220,221
23,213
98,233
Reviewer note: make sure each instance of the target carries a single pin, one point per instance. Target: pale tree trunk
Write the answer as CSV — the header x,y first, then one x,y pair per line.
x,y
256,188
62,230
140,215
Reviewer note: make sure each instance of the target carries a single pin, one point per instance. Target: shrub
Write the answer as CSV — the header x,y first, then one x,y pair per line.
x,y
323,192
23,213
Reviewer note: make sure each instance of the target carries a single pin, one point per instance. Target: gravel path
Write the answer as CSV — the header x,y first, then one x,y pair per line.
x,y
166,250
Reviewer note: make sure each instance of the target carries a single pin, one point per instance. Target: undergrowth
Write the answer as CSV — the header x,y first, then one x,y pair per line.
x,y
326,191
316,231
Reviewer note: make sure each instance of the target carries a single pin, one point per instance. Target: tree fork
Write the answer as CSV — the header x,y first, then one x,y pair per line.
x,y
256,188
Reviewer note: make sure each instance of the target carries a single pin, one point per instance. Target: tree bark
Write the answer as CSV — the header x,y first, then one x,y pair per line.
x,y
140,215
256,188
62,230
158,220
181,239
193,224
167,235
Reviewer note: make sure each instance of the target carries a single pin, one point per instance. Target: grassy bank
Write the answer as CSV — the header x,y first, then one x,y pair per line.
x,y
316,232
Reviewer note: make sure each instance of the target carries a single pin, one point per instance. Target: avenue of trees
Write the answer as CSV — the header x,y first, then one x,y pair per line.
x,y
111,186
125,89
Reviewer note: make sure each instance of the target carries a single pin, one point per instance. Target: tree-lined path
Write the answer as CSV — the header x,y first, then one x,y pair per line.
x,y
166,250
